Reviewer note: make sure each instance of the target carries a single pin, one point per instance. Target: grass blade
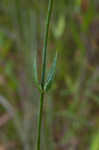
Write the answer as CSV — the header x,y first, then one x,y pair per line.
x,y
51,74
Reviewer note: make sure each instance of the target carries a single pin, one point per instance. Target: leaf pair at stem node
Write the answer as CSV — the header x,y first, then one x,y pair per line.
x,y
50,76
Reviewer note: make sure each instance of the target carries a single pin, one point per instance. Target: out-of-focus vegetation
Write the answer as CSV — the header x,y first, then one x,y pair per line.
x,y
71,109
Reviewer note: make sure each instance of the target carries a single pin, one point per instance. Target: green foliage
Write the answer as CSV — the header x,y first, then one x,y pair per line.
x,y
51,75
59,27
45,86
35,77
95,142
73,107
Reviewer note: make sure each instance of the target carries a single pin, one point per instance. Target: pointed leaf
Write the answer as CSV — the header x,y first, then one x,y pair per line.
x,y
35,74
51,74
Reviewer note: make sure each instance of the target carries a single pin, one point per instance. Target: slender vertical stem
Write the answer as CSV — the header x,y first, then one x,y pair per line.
x,y
43,72
40,120
45,42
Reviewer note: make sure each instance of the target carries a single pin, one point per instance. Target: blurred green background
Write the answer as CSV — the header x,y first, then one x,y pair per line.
x,y
71,108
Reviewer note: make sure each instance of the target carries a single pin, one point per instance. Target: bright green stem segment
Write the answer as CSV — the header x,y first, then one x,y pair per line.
x,y
43,72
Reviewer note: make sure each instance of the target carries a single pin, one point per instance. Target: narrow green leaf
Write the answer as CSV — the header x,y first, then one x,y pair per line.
x,y
35,74
51,75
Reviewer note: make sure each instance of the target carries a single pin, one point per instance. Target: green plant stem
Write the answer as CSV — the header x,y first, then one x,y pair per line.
x,y
45,43
43,72
40,120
